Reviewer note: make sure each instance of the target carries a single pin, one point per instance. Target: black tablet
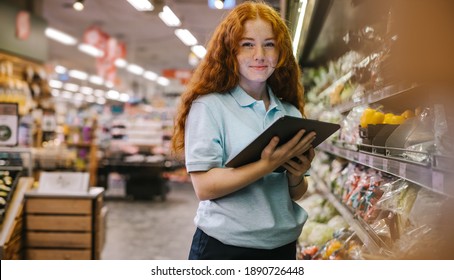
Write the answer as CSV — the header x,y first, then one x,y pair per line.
x,y
285,128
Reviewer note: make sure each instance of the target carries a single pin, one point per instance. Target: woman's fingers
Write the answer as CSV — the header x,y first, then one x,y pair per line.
x,y
269,149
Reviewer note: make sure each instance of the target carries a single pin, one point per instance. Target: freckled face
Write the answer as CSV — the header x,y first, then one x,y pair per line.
x,y
257,54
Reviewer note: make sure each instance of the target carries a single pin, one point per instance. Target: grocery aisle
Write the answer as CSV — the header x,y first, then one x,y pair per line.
x,y
151,230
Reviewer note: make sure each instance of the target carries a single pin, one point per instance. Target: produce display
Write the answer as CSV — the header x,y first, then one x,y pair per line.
x,y
326,234
400,214
8,181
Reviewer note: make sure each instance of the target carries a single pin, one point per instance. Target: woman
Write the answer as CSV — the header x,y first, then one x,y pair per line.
x,y
247,80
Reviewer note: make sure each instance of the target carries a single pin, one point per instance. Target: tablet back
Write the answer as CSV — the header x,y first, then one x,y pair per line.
x,y
285,128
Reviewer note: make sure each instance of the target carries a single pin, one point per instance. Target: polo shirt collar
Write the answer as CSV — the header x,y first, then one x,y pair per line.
x,y
246,100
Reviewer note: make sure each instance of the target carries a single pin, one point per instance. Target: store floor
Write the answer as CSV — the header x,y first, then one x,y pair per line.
x,y
151,229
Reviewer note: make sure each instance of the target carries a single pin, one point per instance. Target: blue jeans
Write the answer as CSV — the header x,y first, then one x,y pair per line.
x,y
205,247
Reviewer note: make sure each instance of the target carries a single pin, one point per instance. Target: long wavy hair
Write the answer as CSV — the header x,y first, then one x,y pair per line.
x,y
218,71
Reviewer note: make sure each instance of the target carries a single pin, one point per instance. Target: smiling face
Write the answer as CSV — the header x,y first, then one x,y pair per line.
x,y
257,55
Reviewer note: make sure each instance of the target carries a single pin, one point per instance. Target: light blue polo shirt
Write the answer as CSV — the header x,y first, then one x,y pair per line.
x,y
261,215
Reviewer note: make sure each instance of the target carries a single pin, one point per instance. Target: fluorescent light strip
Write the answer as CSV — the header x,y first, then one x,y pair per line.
x,y
186,37
60,69
99,93
86,90
78,75
60,36
219,4
90,50
199,51
55,84
66,94
113,94
90,98
141,5
96,80
79,96
299,26
109,84
152,76
135,69
55,92
124,97
71,87
101,100
169,18
120,63
163,81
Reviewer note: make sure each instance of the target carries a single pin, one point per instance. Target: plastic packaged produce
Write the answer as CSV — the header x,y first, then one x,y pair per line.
x,y
416,134
320,234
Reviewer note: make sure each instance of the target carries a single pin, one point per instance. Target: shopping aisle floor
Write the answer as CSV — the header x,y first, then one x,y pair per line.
x,y
151,230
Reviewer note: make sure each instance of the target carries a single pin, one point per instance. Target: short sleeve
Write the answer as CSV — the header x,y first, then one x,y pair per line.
x,y
203,139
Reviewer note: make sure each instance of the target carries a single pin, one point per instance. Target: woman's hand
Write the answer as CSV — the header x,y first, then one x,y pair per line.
x,y
299,165
295,174
276,156
212,184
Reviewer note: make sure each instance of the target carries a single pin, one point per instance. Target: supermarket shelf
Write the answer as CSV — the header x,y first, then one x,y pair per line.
x,y
28,159
423,174
80,144
375,96
361,229
341,80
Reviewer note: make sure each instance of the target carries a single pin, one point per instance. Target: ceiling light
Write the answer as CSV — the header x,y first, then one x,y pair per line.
x,y
66,94
163,81
186,37
78,74
124,97
109,84
99,93
86,90
90,98
193,60
78,5
96,80
79,96
299,26
199,51
135,69
219,4
169,18
113,94
152,76
101,101
71,87
60,69
59,36
55,84
90,50
55,92
120,63
141,5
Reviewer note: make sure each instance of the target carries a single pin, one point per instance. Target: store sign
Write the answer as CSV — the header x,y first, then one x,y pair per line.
x,y
9,122
64,182
112,50
183,75
22,25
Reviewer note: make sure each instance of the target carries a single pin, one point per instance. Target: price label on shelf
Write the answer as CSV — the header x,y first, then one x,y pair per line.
x,y
438,181
362,158
402,169
371,161
385,164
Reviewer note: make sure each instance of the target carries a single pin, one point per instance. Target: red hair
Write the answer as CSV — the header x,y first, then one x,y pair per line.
x,y
218,71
